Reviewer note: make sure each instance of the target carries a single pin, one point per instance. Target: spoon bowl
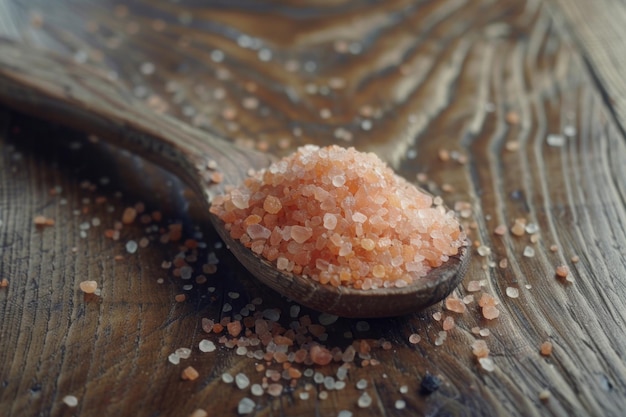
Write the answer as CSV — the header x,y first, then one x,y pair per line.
x,y
85,98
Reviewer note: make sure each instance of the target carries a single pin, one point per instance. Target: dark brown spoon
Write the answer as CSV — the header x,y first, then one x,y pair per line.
x,y
83,97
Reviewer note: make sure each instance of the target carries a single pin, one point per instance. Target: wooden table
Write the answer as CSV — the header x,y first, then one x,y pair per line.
x,y
516,108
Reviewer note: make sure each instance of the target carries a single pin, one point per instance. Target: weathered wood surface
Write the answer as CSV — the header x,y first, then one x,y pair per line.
x,y
416,77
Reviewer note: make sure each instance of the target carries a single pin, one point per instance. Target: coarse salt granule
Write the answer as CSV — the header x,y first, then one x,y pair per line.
x,y
341,217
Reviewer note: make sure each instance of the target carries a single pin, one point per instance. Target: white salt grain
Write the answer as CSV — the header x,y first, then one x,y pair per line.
x,y
512,292
174,358
327,319
245,406
183,353
256,390
70,400
206,346
555,140
364,400
529,252
361,384
227,378
131,246
242,381
400,404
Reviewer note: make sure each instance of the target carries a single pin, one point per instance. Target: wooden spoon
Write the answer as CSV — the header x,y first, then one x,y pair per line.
x,y
85,98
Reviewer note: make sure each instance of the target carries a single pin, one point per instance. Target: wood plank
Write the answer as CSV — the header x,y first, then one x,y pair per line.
x,y
598,29
488,80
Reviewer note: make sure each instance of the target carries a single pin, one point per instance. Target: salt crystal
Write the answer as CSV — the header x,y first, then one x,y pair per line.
x,y
245,406
256,390
70,400
242,381
174,359
569,131
529,252
512,292
483,250
487,364
361,384
206,346
555,139
414,338
362,326
131,246
227,378
326,319
364,400
400,404
183,353
344,413
532,228
88,287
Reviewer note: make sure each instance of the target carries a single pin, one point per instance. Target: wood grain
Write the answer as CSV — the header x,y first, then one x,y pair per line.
x,y
417,77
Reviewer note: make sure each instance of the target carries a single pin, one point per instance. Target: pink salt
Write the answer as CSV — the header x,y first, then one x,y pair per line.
x,y
340,217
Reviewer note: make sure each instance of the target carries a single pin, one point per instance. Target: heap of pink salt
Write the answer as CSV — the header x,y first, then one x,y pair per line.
x,y
340,217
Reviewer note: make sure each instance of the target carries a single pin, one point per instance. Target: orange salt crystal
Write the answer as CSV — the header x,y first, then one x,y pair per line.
x,y
320,355
546,349
88,287
512,118
562,271
234,328
480,349
4,283
448,323
43,221
519,227
189,373
340,217
179,298
473,286
500,230
129,215
455,305
490,312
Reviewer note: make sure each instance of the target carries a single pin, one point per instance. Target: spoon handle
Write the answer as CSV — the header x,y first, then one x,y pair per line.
x,y
90,100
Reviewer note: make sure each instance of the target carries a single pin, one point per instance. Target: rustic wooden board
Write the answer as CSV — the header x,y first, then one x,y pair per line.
x,y
415,77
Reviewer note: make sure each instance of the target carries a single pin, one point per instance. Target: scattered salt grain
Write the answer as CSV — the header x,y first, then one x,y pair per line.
x,y
206,346
555,139
70,400
183,353
327,319
242,381
344,413
364,400
400,404
361,384
256,390
414,338
190,373
487,364
227,378
529,252
245,406
88,287
362,326
546,348
173,358
512,292
131,246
